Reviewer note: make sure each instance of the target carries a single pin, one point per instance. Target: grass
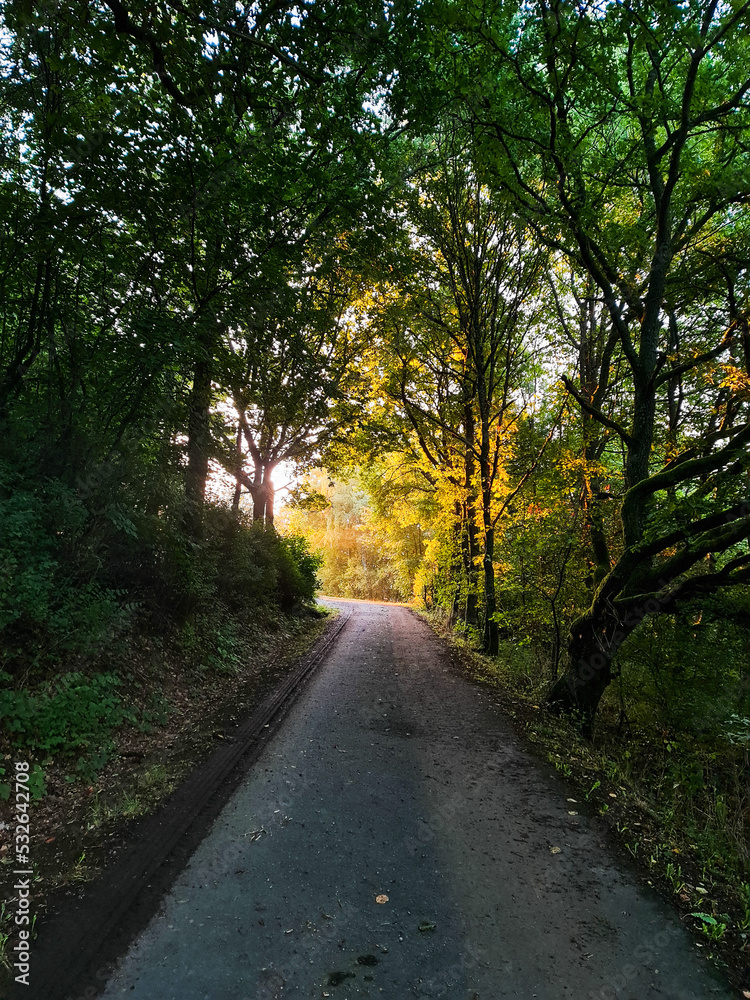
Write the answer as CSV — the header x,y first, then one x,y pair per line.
x,y
6,926
145,790
8,930
76,872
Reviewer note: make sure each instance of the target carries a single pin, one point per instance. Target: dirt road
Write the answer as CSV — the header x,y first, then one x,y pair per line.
x,y
395,840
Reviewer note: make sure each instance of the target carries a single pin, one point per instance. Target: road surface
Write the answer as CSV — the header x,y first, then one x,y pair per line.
x,y
395,840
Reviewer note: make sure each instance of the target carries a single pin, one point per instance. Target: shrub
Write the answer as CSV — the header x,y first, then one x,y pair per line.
x,y
74,716
687,672
298,570
50,605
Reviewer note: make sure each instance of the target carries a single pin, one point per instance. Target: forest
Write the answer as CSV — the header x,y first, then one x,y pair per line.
x,y
474,275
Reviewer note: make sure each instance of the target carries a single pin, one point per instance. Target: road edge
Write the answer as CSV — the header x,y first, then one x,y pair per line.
x,y
77,948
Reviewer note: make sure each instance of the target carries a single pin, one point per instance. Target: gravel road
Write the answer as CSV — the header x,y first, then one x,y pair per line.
x,y
395,840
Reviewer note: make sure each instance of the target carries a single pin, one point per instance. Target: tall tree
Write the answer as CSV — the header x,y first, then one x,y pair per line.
x,y
620,134
293,362
213,141
471,305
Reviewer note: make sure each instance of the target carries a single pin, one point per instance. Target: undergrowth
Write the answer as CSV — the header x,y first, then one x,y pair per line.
x,y
106,582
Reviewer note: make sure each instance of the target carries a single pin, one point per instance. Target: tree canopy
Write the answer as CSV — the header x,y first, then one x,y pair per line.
x,y
487,262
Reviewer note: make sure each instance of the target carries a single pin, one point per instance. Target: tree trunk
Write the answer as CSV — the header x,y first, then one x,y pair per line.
x,y
456,565
593,642
237,484
470,543
27,352
593,518
199,435
637,460
269,491
263,496
259,505
597,635
491,643
593,363
470,549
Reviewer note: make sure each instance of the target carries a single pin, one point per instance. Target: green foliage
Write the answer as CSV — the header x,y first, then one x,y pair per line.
x,y
211,643
87,569
47,549
73,717
298,568
737,729
713,929
6,929
147,788
687,672
37,785
248,564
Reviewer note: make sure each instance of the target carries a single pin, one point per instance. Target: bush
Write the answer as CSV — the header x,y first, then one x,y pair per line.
x,y
51,606
252,565
108,559
298,570
687,672
74,716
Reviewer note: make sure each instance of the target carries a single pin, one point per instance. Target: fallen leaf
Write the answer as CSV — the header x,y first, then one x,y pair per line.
x,y
381,898
555,850
572,812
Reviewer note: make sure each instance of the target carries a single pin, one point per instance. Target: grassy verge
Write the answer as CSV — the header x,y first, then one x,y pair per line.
x,y
678,807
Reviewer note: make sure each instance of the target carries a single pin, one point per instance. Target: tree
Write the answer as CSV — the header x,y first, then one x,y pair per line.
x,y
429,392
475,306
290,372
251,128
620,133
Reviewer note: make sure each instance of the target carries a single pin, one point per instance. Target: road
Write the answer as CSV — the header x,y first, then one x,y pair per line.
x,y
396,840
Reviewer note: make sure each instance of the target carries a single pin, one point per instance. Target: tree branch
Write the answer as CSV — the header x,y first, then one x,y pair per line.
x,y
594,411
125,25
700,359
